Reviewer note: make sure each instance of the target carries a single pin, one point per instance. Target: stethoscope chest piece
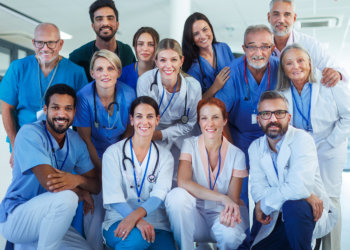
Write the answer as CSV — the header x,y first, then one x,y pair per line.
x,y
151,178
184,119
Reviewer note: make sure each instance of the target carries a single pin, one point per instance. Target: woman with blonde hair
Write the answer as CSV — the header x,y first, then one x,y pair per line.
x,y
101,120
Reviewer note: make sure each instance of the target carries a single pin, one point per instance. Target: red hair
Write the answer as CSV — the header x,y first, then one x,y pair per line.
x,y
212,101
215,102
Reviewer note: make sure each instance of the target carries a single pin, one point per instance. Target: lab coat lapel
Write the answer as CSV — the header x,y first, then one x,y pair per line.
x,y
267,164
284,154
314,97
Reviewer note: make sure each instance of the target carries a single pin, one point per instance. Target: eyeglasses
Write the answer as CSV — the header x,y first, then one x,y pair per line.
x,y
255,48
279,114
49,44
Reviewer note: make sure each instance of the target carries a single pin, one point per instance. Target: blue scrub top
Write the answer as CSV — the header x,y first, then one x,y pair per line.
x,y
224,58
129,76
20,86
102,137
233,94
33,148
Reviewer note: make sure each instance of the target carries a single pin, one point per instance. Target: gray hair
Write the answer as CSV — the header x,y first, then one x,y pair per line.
x,y
284,1
272,95
42,25
257,28
283,81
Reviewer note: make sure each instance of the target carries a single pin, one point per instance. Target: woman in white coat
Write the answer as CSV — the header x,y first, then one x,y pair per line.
x,y
177,96
206,205
323,112
136,177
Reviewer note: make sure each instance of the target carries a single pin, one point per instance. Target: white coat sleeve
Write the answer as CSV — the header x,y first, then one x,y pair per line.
x,y
321,59
341,130
164,176
112,178
179,129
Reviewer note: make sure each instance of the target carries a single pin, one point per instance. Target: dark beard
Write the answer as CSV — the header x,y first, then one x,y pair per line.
x,y
58,130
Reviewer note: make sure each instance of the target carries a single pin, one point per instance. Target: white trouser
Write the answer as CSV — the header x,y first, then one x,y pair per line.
x,y
332,240
43,221
93,224
190,223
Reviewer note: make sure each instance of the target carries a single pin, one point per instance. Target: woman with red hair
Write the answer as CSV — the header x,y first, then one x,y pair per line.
x,y
206,205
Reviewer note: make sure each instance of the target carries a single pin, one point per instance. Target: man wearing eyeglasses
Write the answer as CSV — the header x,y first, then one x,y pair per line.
x,y
282,17
251,75
285,182
26,81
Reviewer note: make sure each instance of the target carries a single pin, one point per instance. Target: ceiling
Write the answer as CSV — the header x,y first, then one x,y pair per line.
x,y
229,19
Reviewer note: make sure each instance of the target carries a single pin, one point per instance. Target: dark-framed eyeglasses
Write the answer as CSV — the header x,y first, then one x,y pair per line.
x,y
255,48
49,44
279,114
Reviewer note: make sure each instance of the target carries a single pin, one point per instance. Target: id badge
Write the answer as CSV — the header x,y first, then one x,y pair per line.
x,y
40,115
254,120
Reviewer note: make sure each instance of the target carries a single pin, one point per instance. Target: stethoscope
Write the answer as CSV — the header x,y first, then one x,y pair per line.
x,y
246,78
96,123
184,118
53,150
204,76
307,120
152,177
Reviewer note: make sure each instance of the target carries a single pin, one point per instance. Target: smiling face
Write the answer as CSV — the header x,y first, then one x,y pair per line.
x,y
297,66
211,121
104,73
145,47
202,34
105,23
169,63
255,48
47,33
274,128
282,18
59,113
144,120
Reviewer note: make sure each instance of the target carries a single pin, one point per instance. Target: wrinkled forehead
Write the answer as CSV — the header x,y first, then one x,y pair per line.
x,y
260,37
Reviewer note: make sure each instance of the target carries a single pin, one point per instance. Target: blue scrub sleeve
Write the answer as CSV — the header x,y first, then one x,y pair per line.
x,y
151,204
122,208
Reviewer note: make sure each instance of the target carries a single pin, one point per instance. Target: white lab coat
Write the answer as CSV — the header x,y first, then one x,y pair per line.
x,y
173,130
330,120
320,57
118,184
298,177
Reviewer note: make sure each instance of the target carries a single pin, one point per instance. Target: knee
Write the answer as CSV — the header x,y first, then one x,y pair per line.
x,y
66,200
228,237
134,241
297,209
178,198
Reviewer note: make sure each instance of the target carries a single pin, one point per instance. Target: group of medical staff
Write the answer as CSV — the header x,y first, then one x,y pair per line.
x,y
160,133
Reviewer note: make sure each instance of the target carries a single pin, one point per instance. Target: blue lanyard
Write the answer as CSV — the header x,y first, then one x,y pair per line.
x,y
307,120
217,174
161,99
138,191
52,149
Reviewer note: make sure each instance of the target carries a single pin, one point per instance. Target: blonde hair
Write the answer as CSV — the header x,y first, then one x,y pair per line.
x,y
169,43
283,81
109,56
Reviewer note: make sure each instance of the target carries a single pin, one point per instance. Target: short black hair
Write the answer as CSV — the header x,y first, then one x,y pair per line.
x,y
144,100
100,4
61,89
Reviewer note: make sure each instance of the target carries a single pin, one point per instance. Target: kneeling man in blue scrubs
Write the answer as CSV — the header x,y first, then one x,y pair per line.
x,y
42,198
291,205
